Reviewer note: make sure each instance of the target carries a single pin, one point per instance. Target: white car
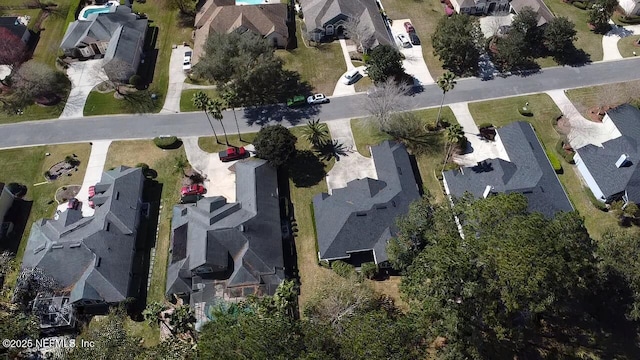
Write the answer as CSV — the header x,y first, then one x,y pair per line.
x,y
404,40
186,63
317,99
351,77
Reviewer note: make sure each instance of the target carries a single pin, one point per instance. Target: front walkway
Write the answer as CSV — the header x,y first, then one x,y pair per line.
x,y
581,130
351,166
177,77
477,148
84,76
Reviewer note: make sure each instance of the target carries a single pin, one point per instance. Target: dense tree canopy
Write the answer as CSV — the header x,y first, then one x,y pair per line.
x,y
457,42
385,62
559,35
246,65
275,143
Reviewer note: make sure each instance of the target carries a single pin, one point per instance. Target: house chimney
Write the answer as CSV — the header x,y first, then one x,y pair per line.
x,y
487,191
622,160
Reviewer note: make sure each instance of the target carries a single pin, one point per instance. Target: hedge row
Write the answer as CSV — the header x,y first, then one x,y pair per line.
x,y
568,157
632,19
555,163
580,5
595,202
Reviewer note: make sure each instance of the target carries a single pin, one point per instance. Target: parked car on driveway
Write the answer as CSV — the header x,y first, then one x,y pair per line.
x,y
195,189
297,100
233,153
186,63
317,99
404,40
415,40
92,191
408,27
351,77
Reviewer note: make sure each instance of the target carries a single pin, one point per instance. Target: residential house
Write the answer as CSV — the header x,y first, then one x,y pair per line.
x,y
631,7
224,16
480,7
326,19
544,14
17,27
92,258
117,37
355,223
226,251
526,171
611,171
6,201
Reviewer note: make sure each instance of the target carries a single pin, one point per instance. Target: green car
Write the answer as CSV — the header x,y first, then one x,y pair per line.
x,y
297,100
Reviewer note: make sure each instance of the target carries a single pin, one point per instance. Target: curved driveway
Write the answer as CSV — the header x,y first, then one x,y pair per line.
x,y
195,124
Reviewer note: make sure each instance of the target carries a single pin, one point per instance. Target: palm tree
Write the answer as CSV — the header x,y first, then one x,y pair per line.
x,y
446,82
230,101
182,321
153,313
214,107
180,163
200,100
454,134
316,132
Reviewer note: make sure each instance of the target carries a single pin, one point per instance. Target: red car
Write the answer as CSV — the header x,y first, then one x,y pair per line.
x,y
91,204
233,153
74,204
408,27
92,191
195,189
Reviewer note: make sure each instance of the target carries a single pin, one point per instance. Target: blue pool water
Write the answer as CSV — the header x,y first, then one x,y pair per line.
x,y
96,11
250,2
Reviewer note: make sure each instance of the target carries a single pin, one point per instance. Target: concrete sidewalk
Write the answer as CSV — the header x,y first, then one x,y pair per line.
x,y
582,131
478,149
95,167
351,166
176,80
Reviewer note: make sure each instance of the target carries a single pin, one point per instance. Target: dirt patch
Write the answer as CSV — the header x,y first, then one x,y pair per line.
x,y
597,113
65,193
563,126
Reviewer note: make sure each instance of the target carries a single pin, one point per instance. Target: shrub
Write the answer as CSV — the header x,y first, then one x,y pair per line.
x,y
595,202
47,174
366,57
555,163
165,142
354,55
629,19
343,269
485,125
369,270
580,5
451,166
567,156
144,166
135,80
524,111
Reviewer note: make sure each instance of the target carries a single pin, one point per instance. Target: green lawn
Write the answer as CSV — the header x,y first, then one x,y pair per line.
x,y
504,111
162,161
363,84
321,66
587,40
429,162
628,45
609,94
424,15
186,98
209,144
105,103
27,166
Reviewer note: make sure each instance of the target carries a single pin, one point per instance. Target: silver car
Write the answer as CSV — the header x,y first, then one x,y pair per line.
x,y
404,40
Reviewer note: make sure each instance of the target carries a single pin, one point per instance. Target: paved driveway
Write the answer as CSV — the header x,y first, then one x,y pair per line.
x,y
176,80
414,64
351,166
342,89
84,76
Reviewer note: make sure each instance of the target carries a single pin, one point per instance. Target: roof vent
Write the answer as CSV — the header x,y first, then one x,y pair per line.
x,y
381,207
38,249
361,213
241,228
97,262
487,191
56,245
74,245
622,160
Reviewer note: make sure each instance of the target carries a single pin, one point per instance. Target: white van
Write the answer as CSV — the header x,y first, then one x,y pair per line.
x,y
351,76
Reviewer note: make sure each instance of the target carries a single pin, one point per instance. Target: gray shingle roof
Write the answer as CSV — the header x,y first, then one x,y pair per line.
x,y
362,216
318,13
528,172
601,161
242,239
92,257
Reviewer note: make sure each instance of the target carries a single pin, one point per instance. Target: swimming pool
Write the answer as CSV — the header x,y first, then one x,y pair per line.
x,y
97,9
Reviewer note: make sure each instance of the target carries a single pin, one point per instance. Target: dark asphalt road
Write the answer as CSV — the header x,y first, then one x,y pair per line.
x,y
195,124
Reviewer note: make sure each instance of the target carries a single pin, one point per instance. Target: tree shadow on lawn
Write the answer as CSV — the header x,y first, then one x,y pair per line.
x,y
573,57
278,113
306,169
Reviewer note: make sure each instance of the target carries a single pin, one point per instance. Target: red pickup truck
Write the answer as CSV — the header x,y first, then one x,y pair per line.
x,y
233,153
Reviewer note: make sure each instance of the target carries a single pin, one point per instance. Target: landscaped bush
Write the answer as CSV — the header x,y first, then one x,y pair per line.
x,y
579,5
525,111
567,156
366,57
143,166
369,270
595,202
343,269
629,19
166,142
135,80
354,55
555,163
451,166
485,125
